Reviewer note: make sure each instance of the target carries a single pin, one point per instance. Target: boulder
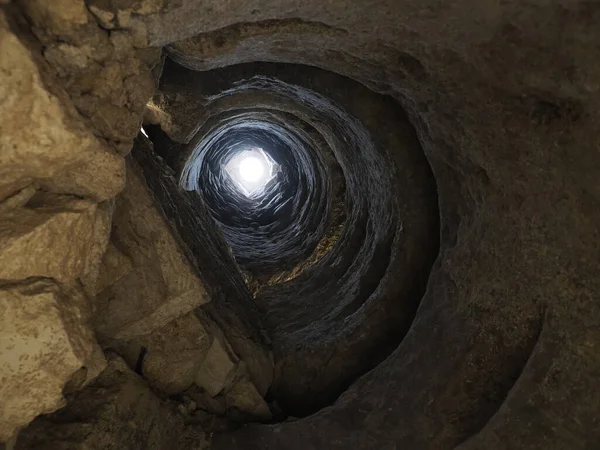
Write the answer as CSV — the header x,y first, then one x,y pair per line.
x,y
54,236
205,402
243,401
44,340
174,354
218,369
116,411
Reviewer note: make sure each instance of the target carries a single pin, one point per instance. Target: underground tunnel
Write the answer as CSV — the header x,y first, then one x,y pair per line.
x,y
300,225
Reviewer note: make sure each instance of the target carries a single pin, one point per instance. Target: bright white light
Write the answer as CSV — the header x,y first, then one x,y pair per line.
x,y
251,169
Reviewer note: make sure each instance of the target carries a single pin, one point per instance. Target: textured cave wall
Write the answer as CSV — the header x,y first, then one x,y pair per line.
x,y
347,305
505,101
503,350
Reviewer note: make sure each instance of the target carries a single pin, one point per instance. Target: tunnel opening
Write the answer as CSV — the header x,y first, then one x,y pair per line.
x,y
316,243
251,169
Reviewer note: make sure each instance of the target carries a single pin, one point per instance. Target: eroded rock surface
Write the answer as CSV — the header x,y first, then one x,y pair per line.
x,y
147,309
45,338
157,284
58,237
41,139
108,69
116,411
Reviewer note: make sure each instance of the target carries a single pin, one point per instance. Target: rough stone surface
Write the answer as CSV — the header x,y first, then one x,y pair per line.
x,y
41,140
244,402
205,402
160,286
175,353
109,75
218,368
231,308
174,307
117,411
52,236
44,339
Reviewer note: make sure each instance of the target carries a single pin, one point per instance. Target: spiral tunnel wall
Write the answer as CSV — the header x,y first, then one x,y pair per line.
x,y
338,246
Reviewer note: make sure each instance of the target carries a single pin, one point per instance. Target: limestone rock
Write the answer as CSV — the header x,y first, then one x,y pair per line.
x,y
117,411
115,264
54,236
40,136
244,403
109,76
59,17
172,308
174,354
161,284
239,399
44,340
105,18
218,369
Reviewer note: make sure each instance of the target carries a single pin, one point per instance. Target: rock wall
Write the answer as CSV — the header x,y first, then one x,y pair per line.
x,y
74,84
502,350
164,319
117,410
54,229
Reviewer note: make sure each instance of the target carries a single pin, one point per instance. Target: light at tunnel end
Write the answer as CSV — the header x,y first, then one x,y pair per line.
x,y
251,170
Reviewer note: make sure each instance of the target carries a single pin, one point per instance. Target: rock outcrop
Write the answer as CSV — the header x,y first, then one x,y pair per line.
x,y
45,340
118,410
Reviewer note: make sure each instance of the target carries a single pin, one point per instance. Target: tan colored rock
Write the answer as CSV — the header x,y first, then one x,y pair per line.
x,y
54,236
60,16
115,264
126,415
172,308
44,340
105,18
174,354
18,199
161,286
129,300
41,137
243,401
218,369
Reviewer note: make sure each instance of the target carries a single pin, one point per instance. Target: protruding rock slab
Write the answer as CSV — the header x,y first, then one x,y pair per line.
x,y
44,340
218,369
243,401
172,307
54,236
231,308
146,277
